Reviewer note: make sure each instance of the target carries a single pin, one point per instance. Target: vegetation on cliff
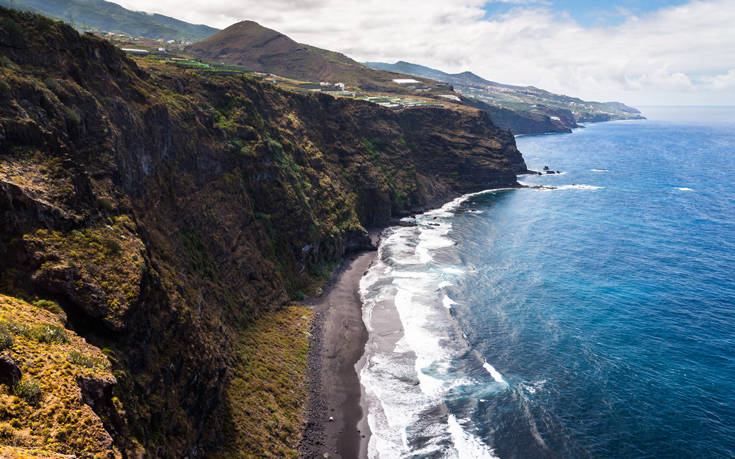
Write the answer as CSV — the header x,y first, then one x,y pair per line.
x,y
166,211
266,396
45,409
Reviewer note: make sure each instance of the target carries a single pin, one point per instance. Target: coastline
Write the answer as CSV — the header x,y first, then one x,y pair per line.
x,y
336,346
338,337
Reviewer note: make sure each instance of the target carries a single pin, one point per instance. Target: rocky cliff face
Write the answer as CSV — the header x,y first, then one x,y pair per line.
x,y
541,120
165,209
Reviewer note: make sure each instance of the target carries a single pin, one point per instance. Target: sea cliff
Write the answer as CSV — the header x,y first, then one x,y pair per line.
x,y
167,211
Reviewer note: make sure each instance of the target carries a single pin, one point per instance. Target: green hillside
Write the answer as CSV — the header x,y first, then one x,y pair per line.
x,y
111,17
524,100
257,48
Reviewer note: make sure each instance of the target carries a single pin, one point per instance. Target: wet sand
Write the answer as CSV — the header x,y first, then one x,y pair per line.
x,y
337,343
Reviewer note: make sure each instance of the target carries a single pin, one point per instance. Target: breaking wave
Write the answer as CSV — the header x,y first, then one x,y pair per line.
x,y
416,354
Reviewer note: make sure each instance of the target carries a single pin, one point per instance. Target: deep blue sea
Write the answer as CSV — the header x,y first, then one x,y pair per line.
x,y
594,317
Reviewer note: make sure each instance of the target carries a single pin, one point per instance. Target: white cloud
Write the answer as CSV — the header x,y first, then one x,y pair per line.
x,y
521,2
681,54
723,82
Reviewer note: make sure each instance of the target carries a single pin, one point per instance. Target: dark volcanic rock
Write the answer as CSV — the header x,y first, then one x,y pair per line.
x,y
98,393
10,374
168,209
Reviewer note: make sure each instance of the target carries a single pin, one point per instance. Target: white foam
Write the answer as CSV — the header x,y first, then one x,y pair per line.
x,y
579,187
467,446
430,239
452,205
574,186
405,379
533,388
599,170
420,336
494,373
684,189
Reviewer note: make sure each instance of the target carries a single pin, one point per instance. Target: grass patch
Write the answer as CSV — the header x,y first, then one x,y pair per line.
x,y
266,398
46,333
373,148
107,261
87,361
51,306
45,408
6,339
29,390
291,169
198,255
41,333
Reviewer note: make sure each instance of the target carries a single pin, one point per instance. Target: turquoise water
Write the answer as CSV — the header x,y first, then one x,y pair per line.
x,y
591,318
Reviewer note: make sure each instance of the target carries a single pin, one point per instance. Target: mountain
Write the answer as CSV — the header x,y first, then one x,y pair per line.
x,y
526,101
459,79
157,225
257,48
111,17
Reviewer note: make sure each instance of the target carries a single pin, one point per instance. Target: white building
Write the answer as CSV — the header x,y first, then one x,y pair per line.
x,y
135,51
405,81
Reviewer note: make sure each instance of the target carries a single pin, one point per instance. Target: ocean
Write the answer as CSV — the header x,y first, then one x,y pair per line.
x,y
591,317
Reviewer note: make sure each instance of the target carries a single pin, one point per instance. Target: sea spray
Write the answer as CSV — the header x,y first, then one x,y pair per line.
x,y
409,374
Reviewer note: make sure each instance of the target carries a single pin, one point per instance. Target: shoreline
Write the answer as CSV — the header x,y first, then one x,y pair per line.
x,y
336,421
338,337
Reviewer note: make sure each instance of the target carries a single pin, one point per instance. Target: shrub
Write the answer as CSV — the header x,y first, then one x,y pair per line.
x,y
51,306
5,61
17,328
6,339
6,431
48,334
112,247
72,116
106,204
4,88
51,84
29,390
78,358
275,147
197,253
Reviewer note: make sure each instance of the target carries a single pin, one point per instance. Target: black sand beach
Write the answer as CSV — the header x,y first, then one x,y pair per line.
x,y
337,343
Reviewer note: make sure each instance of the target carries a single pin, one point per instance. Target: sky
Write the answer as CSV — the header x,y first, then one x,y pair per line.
x,y
653,52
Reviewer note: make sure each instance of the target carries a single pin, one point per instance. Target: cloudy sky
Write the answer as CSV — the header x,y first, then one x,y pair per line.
x,y
642,52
